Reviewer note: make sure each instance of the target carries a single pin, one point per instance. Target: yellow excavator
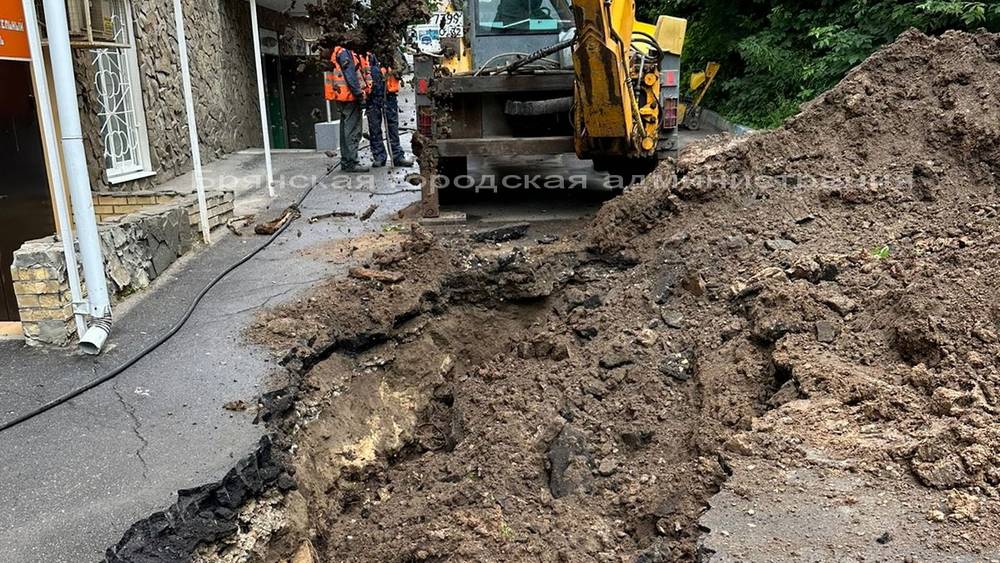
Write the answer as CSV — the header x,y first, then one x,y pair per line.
x,y
497,78
690,109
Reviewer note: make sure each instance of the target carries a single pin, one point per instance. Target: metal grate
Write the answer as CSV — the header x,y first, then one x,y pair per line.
x,y
114,84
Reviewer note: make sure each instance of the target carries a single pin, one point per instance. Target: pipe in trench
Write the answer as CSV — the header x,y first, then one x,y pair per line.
x,y
75,159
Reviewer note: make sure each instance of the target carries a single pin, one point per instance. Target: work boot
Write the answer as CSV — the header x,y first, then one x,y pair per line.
x,y
402,162
378,163
356,169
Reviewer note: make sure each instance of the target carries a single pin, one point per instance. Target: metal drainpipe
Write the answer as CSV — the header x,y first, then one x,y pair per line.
x,y
54,164
199,178
75,159
265,132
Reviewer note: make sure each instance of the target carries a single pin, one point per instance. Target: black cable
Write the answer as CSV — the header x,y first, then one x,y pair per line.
x,y
170,333
539,54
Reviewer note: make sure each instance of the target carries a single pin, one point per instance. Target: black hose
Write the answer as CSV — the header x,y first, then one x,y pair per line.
x,y
169,334
539,54
649,41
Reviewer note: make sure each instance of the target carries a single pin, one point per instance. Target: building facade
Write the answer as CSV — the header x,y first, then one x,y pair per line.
x,y
131,101
134,124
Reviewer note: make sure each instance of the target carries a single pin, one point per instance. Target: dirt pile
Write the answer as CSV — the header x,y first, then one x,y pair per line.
x,y
855,248
817,298
858,241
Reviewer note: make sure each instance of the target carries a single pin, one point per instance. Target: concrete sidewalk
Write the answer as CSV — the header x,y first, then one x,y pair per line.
x,y
73,480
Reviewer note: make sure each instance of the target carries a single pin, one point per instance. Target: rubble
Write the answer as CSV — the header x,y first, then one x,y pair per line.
x,y
502,234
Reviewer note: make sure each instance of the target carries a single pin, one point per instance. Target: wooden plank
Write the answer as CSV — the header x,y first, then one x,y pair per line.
x,y
505,146
10,330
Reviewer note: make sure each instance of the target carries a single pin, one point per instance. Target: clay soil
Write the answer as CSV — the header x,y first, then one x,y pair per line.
x,y
821,296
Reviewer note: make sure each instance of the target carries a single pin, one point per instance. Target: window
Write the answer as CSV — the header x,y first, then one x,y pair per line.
x,y
120,109
498,17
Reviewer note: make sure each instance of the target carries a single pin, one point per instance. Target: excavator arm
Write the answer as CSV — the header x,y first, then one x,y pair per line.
x,y
623,77
604,99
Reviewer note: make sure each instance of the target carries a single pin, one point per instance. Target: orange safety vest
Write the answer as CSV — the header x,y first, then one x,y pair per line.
x,y
335,86
328,91
365,73
391,82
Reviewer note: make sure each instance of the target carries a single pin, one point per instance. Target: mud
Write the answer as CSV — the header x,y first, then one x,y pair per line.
x,y
782,348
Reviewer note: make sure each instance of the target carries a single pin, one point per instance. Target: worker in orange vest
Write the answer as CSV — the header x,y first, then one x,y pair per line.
x,y
349,86
383,107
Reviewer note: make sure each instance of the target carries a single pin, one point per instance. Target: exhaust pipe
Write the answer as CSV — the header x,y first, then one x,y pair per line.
x,y
93,340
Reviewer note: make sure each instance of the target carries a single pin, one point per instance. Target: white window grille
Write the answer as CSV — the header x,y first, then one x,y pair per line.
x,y
120,108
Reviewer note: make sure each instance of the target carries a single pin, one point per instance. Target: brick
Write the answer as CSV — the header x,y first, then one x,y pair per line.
x,y
27,301
105,200
61,314
36,287
220,208
51,301
141,200
165,198
104,209
42,274
126,209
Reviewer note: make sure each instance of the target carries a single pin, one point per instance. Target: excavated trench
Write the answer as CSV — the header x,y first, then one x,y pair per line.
x,y
504,401
501,407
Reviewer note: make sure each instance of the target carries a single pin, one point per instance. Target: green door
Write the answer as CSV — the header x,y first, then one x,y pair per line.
x,y
274,100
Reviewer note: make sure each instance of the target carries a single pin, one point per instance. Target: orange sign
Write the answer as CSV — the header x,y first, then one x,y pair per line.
x,y
13,39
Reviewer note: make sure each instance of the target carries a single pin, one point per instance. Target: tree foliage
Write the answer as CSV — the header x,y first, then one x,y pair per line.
x,y
776,55
367,25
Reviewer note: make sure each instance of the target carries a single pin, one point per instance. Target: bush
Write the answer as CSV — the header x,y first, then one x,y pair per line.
x,y
777,55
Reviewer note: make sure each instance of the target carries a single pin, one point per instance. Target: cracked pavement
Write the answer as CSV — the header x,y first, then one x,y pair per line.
x,y
136,429
74,479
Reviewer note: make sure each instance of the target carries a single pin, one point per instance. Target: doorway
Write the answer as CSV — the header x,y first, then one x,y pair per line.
x,y
275,101
25,203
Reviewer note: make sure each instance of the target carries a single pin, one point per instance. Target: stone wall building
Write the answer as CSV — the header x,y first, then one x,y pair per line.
x,y
136,136
134,123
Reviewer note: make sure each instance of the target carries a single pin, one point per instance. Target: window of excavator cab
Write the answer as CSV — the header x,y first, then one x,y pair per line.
x,y
517,17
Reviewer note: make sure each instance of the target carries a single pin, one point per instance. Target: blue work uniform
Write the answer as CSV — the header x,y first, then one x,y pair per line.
x,y
383,107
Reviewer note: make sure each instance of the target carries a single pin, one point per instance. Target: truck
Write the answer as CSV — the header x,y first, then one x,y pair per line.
x,y
546,77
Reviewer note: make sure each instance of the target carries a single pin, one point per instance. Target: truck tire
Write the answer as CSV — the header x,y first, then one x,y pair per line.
x,y
692,121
